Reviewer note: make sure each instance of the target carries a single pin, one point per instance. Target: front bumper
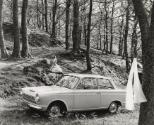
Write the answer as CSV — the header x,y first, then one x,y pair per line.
x,y
33,105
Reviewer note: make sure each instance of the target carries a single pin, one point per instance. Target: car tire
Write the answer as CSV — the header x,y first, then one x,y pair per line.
x,y
56,110
113,108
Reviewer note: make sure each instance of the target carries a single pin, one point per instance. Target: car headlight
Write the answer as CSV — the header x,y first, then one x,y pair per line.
x,y
37,98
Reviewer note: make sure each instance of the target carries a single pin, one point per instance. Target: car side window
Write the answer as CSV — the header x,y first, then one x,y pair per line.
x,y
80,86
88,83
104,84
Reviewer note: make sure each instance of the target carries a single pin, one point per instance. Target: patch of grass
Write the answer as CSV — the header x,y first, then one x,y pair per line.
x,y
28,117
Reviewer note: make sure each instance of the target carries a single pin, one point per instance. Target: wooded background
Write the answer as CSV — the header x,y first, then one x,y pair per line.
x,y
109,26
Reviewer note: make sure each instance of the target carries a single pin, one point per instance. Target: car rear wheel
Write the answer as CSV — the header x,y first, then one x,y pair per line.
x,y
113,108
54,111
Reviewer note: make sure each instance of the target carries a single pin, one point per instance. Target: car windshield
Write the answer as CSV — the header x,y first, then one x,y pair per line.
x,y
68,82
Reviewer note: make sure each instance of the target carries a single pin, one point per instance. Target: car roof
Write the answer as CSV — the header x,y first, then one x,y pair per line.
x,y
87,75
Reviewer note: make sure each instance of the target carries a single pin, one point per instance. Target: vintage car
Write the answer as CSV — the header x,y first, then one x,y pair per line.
x,y
75,92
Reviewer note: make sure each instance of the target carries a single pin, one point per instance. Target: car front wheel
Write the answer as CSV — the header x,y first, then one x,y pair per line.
x,y
113,108
54,111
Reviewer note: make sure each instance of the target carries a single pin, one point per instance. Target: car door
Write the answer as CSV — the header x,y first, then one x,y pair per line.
x,y
86,95
107,90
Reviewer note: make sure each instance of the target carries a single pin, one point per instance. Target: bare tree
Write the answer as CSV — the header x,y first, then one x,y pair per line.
x,y
38,15
100,26
25,47
125,37
134,40
121,37
4,53
88,36
46,14
106,27
42,15
54,11
112,21
68,4
75,32
16,49
146,116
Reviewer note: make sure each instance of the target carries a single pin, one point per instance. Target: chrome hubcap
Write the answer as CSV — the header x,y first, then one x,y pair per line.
x,y
54,111
113,108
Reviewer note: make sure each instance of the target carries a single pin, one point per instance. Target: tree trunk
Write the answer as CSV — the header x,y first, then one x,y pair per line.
x,y
38,16
59,28
146,116
111,31
85,32
143,22
43,26
16,49
75,32
46,15
100,36
121,37
25,46
4,53
104,49
68,4
88,37
125,38
106,26
134,41
54,11
100,26
80,32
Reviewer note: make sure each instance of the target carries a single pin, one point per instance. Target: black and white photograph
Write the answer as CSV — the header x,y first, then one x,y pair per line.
x,y
76,62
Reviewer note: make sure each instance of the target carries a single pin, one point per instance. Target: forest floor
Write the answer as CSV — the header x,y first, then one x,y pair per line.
x,y
12,78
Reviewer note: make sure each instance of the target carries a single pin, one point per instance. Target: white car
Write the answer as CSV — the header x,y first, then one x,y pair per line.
x,y
75,92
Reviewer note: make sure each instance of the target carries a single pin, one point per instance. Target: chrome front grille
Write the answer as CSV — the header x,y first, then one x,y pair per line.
x,y
29,98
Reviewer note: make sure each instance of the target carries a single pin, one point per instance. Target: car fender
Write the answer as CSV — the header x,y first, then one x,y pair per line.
x,y
60,100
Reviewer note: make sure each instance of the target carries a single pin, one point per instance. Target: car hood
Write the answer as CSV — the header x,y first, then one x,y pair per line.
x,y
45,89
